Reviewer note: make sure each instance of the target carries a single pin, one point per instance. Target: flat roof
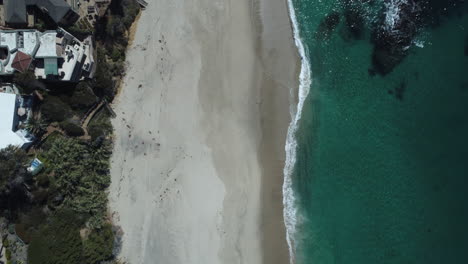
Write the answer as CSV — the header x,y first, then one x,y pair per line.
x,y
48,47
12,39
58,44
8,39
7,114
30,42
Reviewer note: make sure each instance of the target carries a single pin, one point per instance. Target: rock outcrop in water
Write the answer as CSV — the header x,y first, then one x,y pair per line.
x,y
327,26
355,23
401,21
394,35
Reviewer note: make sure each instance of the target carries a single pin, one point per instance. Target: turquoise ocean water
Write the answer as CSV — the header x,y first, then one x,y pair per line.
x,y
380,172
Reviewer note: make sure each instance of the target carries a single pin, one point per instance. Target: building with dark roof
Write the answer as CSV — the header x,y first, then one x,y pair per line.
x,y
59,11
15,12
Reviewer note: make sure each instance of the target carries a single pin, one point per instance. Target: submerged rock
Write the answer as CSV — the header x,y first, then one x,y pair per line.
x,y
393,37
354,23
327,26
399,24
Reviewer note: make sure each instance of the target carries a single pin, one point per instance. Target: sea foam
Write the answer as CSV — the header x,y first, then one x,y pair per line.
x,y
392,13
290,211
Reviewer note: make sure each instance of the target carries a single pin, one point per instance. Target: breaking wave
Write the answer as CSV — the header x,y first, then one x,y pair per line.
x,y
290,211
392,13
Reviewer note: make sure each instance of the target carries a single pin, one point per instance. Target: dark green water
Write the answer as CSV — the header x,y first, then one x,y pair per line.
x,y
382,178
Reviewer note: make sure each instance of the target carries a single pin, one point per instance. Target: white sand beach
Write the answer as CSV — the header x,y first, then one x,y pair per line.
x,y
199,134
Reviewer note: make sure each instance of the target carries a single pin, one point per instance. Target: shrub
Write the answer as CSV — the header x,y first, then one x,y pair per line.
x,y
104,86
118,68
57,241
130,10
115,28
99,245
28,223
81,175
40,196
100,128
54,109
23,232
26,81
42,180
8,254
118,53
81,29
13,162
72,129
13,174
83,96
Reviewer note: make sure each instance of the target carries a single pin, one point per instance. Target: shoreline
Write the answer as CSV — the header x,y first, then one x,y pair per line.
x,y
201,123
284,92
290,213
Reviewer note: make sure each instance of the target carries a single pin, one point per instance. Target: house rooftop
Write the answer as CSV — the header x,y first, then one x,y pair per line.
x,y
48,45
57,55
8,108
15,10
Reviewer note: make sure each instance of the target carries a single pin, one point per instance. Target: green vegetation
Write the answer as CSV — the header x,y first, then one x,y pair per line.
x,y
72,187
130,11
72,129
13,175
36,125
61,212
26,81
81,175
55,110
12,167
98,246
58,241
81,29
100,125
83,97
28,222
79,178
112,35
104,85
8,254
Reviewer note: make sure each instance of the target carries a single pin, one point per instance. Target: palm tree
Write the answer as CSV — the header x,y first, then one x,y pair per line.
x,y
36,125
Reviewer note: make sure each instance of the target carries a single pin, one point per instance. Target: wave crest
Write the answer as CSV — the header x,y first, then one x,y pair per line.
x,y
290,211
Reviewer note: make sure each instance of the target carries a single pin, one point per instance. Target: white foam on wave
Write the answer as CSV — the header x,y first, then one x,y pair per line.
x,y
290,211
392,12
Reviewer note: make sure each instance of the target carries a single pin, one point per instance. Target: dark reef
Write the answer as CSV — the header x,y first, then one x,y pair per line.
x,y
327,26
392,42
354,23
399,91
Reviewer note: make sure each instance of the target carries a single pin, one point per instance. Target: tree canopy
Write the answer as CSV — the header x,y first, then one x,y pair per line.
x,y
58,241
13,173
81,175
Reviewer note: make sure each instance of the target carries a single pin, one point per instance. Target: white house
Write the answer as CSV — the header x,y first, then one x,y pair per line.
x,y
11,111
53,54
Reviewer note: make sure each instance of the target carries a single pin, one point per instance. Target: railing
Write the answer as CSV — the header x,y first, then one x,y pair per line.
x,y
90,112
143,3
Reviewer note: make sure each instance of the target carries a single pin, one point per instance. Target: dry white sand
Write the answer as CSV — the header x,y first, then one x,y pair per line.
x,y
199,134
